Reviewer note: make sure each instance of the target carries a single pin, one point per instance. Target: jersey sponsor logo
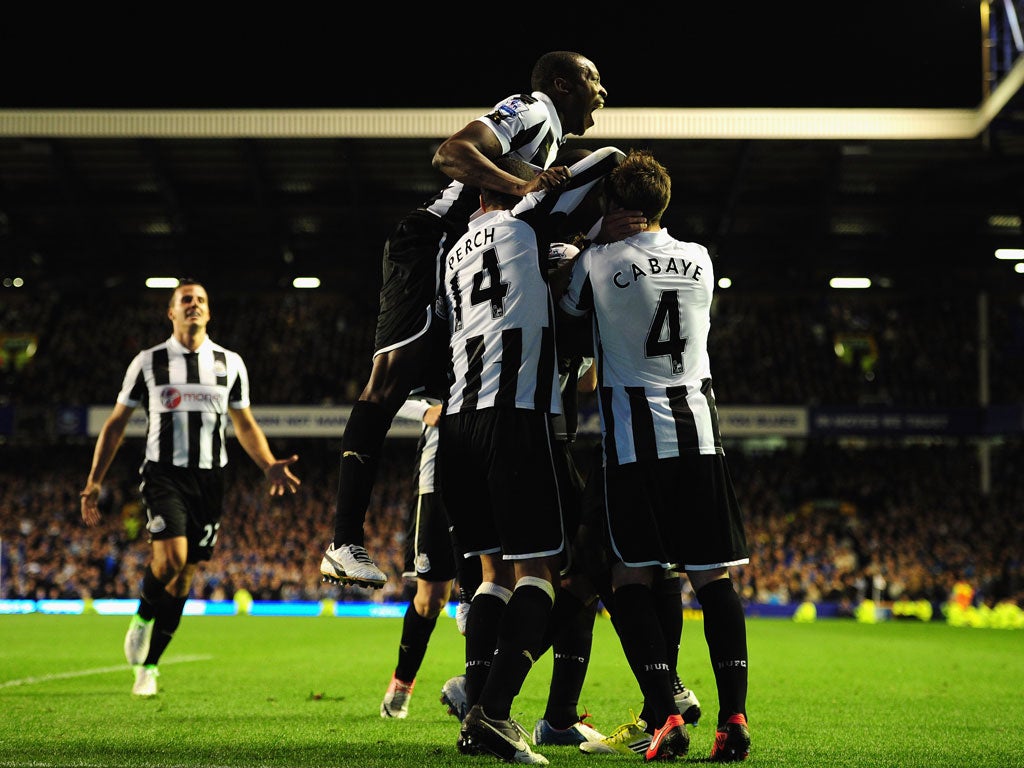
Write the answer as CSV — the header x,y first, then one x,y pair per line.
x,y
156,524
170,397
191,395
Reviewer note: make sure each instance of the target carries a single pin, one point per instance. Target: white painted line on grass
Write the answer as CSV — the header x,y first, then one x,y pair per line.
x,y
96,671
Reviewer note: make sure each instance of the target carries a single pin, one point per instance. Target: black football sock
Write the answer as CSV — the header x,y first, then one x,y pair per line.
x,y
520,640
468,575
563,615
152,594
725,630
482,637
361,445
416,632
168,617
646,714
571,652
668,599
639,632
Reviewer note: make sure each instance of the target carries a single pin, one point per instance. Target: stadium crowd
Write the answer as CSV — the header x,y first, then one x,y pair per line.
x,y
909,350
828,521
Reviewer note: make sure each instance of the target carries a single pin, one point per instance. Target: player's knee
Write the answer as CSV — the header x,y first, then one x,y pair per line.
x,y
700,579
430,601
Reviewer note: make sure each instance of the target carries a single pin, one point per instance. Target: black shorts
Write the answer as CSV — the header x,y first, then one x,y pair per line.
x,y
680,511
499,482
570,483
428,543
411,277
591,549
183,502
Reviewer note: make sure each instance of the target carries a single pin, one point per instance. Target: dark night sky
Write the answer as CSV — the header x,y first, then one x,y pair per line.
x,y
714,53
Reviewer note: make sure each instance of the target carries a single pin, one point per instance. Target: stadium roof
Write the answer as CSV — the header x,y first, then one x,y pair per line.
x,y
101,186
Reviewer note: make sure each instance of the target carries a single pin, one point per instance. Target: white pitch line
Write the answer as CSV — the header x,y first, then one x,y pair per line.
x,y
96,671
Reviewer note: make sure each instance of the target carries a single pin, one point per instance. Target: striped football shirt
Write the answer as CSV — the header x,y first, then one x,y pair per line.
x,y
186,396
499,309
528,127
650,297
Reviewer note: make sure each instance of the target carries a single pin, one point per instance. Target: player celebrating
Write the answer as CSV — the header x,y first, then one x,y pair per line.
x,y
669,497
187,385
530,127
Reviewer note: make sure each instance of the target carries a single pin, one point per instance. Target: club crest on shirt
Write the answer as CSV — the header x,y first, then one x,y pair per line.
x,y
220,368
170,397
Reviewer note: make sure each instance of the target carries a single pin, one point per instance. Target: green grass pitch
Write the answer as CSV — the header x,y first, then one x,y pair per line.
x,y
248,692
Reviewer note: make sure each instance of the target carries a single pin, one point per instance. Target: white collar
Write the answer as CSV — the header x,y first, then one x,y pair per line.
x,y
179,347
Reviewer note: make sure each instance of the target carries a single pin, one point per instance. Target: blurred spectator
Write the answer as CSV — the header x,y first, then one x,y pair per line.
x,y
836,348
825,522
826,519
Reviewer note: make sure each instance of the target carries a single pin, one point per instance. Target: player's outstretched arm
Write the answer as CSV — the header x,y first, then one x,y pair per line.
x,y
254,442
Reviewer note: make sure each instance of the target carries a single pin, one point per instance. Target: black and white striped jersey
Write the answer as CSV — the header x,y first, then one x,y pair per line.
x,y
650,296
186,396
501,319
528,128
557,212
499,310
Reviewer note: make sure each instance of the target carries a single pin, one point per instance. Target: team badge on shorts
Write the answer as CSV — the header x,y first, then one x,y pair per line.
x,y
422,563
156,524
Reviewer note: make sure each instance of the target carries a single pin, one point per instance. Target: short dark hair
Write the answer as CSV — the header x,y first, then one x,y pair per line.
x,y
182,282
640,183
516,167
555,64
